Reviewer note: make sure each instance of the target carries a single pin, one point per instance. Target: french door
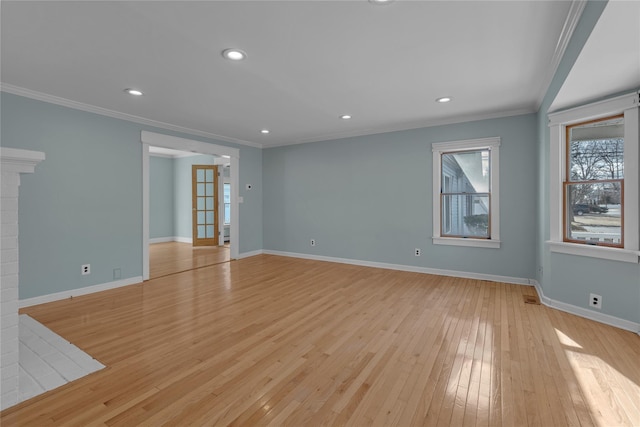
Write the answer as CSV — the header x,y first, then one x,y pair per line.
x,y
204,184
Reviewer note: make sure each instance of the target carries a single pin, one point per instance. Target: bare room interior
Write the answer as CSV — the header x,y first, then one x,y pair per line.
x,y
361,212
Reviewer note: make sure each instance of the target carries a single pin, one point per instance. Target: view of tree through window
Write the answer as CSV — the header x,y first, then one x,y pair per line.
x,y
594,182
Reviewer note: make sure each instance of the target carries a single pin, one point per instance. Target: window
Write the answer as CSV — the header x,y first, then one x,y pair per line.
x,y
227,203
465,193
594,182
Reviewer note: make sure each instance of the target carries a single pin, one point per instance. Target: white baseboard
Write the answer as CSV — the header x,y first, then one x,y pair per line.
x,y
586,313
77,292
170,239
401,267
252,253
161,240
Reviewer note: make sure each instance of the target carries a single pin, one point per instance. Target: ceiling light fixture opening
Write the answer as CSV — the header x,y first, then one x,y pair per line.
x,y
264,131
345,116
380,2
443,99
234,54
134,92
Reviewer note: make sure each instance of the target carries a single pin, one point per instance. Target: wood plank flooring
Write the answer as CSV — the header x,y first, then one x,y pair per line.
x,y
174,257
270,340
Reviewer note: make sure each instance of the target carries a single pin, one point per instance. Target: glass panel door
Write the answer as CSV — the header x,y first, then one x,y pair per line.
x,y
205,194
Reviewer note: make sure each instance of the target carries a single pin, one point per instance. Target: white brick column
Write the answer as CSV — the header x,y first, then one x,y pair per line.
x,y
13,162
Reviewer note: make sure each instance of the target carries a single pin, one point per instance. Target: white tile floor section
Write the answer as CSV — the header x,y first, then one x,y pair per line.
x,y
47,360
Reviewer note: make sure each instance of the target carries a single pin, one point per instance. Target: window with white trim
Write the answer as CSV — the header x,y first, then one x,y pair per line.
x,y
466,193
594,180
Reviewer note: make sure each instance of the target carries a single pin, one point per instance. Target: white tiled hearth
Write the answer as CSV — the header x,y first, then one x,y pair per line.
x,y
13,162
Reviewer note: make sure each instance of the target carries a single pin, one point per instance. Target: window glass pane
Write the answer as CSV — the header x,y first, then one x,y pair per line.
x,y
209,189
594,212
200,203
596,150
465,215
200,175
200,189
209,175
201,232
209,217
227,193
200,217
227,213
209,204
209,231
469,171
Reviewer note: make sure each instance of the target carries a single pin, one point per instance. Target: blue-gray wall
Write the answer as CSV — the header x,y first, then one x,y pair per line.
x,y
567,278
370,198
161,197
84,203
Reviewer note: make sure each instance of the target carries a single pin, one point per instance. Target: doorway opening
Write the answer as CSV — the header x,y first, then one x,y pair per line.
x,y
170,223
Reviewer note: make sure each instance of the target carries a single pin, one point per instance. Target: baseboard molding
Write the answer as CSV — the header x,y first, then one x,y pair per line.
x,y
78,292
170,239
252,253
161,240
607,319
402,267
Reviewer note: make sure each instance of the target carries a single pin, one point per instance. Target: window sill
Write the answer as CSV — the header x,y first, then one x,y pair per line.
x,y
613,254
474,243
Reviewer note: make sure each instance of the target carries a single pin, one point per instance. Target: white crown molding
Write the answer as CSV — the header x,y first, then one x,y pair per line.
x,y
28,93
570,24
78,292
409,126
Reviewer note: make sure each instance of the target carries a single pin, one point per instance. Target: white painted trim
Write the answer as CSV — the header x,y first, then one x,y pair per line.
x,y
161,240
438,148
78,292
571,22
52,99
171,239
558,122
401,267
602,252
594,110
586,313
167,141
250,254
184,144
15,160
475,243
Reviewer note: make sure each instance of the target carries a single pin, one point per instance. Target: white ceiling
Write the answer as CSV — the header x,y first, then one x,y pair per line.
x,y
610,60
308,62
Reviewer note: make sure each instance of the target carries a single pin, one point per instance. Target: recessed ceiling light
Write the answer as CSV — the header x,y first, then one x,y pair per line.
x,y
234,54
134,92
380,1
265,131
345,116
443,99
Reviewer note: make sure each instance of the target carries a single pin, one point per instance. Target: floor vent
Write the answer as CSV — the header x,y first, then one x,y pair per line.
x,y
531,299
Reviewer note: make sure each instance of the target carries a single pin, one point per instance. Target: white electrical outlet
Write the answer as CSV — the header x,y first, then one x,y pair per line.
x,y
313,242
86,269
595,301
418,252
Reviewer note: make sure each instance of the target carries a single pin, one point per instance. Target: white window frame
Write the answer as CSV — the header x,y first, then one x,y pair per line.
x,y
493,145
558,122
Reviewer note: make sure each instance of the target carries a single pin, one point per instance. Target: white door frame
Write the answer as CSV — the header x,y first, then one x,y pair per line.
x,y
198,147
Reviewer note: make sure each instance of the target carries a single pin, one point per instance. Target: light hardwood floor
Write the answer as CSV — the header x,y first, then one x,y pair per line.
x,y
283,341
174,257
